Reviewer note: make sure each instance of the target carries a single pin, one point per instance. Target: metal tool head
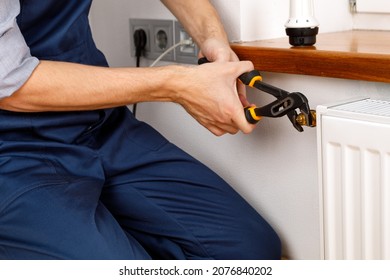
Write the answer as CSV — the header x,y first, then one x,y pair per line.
x,y
295,105
302,115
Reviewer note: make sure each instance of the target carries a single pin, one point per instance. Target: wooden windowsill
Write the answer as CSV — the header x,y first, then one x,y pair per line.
x,y
357,55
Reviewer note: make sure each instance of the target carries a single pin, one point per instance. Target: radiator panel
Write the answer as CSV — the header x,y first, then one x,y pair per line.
x,y
354,179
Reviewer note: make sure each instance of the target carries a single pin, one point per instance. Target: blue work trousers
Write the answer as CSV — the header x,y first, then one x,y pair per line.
x,y
103,185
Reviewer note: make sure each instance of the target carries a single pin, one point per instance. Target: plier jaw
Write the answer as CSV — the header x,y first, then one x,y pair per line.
x,y
305,116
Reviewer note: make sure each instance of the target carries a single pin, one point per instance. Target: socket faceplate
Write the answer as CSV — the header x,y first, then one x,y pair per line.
x,y
161,35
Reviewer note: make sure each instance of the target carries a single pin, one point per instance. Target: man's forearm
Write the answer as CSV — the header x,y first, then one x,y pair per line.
x,y
61,86
199,18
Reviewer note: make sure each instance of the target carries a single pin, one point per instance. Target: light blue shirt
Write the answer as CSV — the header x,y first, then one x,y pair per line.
x,y
16,62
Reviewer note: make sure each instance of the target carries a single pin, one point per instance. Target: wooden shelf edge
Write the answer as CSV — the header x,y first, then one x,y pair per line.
x,y
323,62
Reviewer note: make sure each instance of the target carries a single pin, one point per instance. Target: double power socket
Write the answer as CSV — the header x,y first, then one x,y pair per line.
x,y
160,36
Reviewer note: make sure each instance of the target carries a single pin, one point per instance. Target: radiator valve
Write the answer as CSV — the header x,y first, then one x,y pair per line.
x,y
310,120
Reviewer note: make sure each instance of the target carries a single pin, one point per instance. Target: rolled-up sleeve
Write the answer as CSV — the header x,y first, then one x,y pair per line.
x,y
16,62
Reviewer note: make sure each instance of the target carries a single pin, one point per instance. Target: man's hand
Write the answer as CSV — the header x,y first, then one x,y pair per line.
x,y
219,51
212,97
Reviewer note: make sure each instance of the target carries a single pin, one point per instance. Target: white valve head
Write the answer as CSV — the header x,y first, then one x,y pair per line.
x,y
302,26
301,14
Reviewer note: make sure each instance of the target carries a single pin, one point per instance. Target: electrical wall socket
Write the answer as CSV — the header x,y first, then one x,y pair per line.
x,y
161,39
136,24
161,35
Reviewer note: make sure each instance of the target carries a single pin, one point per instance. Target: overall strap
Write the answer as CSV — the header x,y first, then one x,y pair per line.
x,y
59,30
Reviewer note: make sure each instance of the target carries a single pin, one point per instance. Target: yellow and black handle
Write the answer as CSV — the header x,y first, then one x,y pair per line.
x,y
251,116
249,79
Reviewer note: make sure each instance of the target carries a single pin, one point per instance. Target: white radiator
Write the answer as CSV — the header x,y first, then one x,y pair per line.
x,y
354,179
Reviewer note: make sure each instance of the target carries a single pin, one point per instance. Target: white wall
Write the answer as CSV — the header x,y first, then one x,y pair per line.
x,y
274,168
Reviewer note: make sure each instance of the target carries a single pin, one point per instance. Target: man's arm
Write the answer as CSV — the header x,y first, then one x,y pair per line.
x,y
63,86
202,22
207,92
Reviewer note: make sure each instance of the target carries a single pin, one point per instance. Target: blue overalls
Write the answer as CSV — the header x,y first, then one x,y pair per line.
x,y
103,185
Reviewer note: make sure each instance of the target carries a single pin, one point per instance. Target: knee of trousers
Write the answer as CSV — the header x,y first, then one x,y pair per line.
x,y
263,244
255,240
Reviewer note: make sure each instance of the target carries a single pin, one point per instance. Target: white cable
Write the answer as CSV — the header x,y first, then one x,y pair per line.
x,y
181,43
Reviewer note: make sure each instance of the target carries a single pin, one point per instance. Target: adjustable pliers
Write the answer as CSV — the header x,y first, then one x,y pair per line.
x,y
286,103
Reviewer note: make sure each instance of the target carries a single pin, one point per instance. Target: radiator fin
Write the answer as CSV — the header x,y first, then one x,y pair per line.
x,y
355,182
